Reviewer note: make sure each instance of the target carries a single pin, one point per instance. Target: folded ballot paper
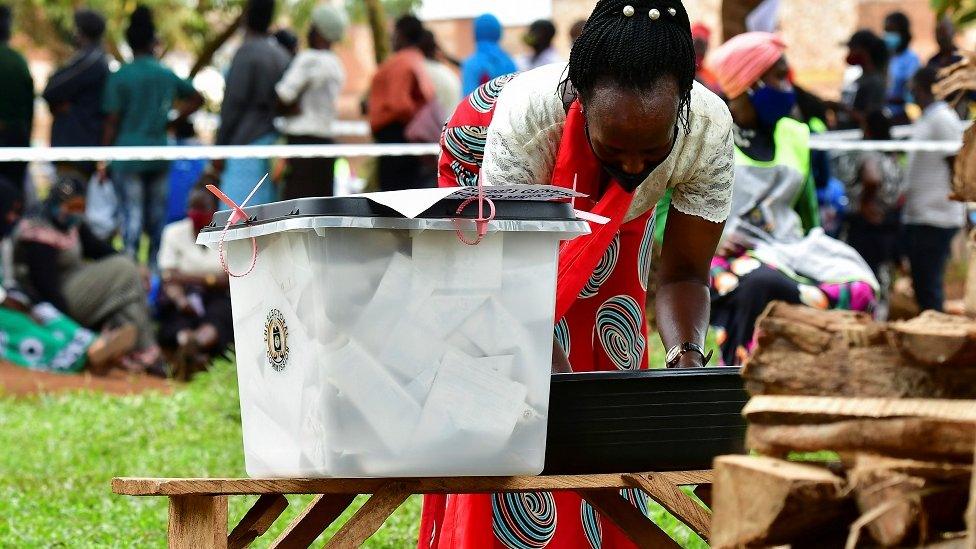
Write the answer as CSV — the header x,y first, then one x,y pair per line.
x,y
413,202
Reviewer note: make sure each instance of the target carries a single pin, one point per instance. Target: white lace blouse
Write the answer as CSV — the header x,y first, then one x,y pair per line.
x,y
523,141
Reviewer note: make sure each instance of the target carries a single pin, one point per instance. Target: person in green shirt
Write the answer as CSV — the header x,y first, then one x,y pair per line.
x,y
16,100
137,102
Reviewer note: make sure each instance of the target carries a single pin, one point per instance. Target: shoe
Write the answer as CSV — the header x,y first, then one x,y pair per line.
x,y
110,347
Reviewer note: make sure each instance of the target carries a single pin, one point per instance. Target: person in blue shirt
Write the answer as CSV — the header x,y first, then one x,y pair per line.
x,y
903,66
489,60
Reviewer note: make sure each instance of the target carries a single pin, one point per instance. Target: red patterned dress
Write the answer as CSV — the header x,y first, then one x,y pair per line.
x,y
604,330
602,282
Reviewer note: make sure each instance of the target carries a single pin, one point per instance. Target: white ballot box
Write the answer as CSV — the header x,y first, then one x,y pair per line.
x,y
372,342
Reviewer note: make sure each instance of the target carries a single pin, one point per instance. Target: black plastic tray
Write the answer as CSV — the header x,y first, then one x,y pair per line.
x,y
652,420
355,206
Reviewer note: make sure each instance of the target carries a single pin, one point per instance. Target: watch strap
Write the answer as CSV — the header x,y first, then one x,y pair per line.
x,y
685,348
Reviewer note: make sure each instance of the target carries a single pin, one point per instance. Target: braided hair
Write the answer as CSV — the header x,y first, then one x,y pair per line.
x,y
622,44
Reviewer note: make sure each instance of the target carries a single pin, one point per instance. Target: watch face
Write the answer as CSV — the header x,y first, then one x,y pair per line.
x,y
673,354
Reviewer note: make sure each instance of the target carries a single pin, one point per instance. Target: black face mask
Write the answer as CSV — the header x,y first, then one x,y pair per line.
x,y
630,181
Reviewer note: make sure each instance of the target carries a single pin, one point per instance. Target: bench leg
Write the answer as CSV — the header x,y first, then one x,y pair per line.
x,y
322,512
258,519
674,501
639,528
369,518
198,522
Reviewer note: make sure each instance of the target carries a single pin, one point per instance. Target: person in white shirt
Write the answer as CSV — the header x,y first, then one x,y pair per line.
x,y
539,37
930,217
310,90
446,81
195,318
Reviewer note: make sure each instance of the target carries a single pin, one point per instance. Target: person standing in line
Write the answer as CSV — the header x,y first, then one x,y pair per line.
x,y
931,218
136,103
539,37
866,94
874,182
74,92
251,105
400,90
945,37
311,86
489,60
287,40
16,101
445,80
904,63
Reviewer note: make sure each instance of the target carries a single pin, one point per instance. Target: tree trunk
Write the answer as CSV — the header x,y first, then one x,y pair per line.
x,y
377,24
761,502
211,47
734,13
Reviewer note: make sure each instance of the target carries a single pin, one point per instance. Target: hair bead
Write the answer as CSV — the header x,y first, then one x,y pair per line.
x,y
654,14
629,11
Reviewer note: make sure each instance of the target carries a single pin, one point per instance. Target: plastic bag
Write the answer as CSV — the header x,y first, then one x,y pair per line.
x,y
101,206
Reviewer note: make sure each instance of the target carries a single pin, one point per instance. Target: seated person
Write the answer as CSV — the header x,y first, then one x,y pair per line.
x,y
772,247
194,307
39,336
58,260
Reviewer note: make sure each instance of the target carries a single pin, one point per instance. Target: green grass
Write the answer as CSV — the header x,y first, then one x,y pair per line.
x,y
60,452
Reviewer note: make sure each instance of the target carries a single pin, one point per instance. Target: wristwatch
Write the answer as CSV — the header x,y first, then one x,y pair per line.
x,y
678,351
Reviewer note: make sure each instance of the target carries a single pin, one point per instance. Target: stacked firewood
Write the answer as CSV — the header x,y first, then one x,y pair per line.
x,y
956,83
865,433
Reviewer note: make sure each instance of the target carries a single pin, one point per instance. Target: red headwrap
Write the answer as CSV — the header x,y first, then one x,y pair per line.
x,y
741,62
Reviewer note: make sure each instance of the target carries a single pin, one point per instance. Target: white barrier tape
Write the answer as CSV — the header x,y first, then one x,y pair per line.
x,y
88,154
948,147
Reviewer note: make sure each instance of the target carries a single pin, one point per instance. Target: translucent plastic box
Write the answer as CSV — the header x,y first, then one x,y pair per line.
x,y
371,345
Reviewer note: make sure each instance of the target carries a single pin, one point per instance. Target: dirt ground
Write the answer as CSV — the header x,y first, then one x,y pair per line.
x,y
22,382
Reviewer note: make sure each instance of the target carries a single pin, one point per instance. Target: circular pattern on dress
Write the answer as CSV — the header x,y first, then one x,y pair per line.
x,y
523,521
484,98
32,350
618,326
603,269
562,336
645,256
592,525
466,144
464,176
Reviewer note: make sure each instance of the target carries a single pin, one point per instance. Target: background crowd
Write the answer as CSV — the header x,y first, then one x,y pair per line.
x,y
103,269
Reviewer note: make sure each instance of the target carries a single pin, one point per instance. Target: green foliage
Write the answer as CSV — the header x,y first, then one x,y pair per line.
x,y
60,453
394,8
963,12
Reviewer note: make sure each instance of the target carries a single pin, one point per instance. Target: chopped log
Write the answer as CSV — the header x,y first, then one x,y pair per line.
x,y
970,297
906,502
937,339
761,501
921,429
803,351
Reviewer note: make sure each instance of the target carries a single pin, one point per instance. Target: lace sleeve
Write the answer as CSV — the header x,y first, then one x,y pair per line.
x,y
708,192
524,135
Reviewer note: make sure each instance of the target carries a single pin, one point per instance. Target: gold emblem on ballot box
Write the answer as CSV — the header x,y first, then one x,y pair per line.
x,y
276,340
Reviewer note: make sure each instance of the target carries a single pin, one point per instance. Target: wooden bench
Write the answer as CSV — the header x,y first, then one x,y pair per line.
x,y
198,507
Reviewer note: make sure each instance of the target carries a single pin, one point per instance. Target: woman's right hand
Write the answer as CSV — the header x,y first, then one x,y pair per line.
x,y
560,362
